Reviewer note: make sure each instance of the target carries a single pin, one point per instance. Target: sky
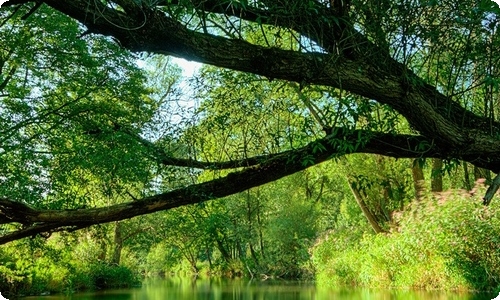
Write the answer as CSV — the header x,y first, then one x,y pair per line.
x,y
189,67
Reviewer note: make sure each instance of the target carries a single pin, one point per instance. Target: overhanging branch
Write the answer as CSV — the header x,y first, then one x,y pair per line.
x,y
385,80
340,142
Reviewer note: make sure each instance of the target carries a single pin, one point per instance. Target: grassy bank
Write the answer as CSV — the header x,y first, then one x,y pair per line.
x,y
450,241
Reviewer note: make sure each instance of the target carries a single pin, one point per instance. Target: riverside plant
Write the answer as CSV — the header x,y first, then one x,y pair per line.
x,y
447,241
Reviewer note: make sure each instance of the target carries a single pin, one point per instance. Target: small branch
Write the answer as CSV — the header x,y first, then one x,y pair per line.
x,y
32,10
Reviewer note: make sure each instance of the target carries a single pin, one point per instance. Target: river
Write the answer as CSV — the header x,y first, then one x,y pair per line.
x,y
223,289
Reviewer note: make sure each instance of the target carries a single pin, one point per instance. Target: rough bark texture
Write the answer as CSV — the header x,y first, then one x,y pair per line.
x,y
418,179
369,72
347,60
437,175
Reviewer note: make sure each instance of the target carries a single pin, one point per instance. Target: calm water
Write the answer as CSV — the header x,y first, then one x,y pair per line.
x,y
220,289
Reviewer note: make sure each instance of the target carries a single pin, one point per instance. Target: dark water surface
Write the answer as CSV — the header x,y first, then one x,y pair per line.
x,y
222,289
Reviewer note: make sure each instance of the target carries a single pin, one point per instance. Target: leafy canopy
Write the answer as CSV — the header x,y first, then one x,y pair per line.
x,y
318,80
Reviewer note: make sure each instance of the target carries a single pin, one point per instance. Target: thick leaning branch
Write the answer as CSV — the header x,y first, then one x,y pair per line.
x,y
323,28
153,31
339,143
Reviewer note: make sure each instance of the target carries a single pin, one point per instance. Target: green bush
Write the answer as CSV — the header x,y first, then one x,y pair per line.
x,y
32,267
110,276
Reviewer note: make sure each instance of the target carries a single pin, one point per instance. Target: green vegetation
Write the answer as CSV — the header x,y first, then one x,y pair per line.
x,y
445,242
304,226
315,143
63,264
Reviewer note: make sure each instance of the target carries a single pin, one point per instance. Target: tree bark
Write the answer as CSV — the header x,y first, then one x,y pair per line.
x,y
418,179
118,243
437,175
366,211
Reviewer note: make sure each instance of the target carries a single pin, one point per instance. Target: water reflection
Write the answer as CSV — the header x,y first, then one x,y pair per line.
x,y
223,289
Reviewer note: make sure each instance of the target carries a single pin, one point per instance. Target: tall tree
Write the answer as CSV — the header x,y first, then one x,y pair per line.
x,y
354,54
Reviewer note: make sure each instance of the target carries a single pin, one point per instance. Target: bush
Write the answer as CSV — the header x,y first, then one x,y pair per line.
x,y
109,276
35,266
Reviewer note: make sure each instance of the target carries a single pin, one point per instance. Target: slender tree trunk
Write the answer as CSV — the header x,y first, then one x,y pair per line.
x,y
261,237
418,179
386,190
118,244
223,251
192,258
366,211
254,255
104,250
250,228
209,256
437,175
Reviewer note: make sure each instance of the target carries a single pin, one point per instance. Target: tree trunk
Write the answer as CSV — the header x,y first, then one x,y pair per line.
x,y
467,183
104,250
209,256
418,179
223,251
117,253
259,223
437,175
480,173
192,259
250,227
366,211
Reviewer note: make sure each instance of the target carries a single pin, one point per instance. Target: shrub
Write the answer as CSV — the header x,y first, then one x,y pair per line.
x,y
109,276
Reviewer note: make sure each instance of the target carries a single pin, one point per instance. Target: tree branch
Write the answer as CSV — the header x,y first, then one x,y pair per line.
x,y
384,80
340,142
159,155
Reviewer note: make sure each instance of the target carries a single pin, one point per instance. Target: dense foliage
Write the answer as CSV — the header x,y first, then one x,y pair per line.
x,y
319,80
325,128
449,241
62,264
